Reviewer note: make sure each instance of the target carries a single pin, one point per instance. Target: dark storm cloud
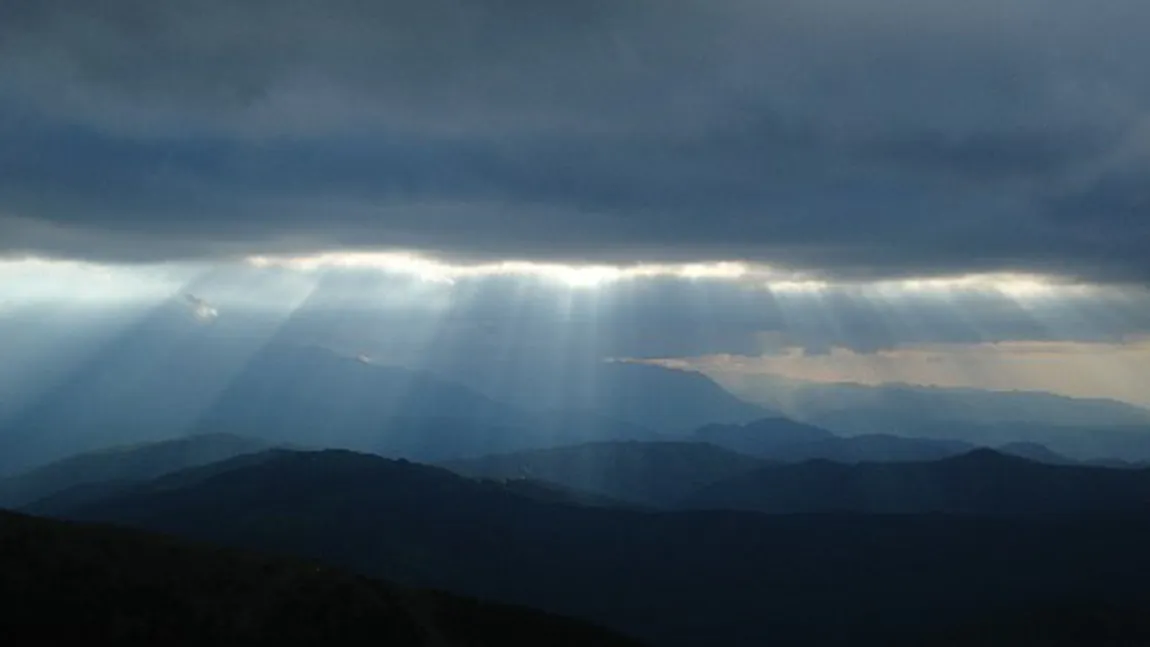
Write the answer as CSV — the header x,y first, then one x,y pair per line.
x,y
875,139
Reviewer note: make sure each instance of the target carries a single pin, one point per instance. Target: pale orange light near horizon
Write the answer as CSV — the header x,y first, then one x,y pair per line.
x,y
1110,370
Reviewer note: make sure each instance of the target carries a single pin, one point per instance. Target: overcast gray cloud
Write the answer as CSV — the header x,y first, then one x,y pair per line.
x,y
859,139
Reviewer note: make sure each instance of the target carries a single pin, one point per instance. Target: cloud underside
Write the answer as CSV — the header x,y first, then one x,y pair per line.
x,y
855,140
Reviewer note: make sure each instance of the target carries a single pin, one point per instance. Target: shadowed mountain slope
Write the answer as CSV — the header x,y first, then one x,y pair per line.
x,y
655,473
982,482
760,437
688,578
67,583
123,464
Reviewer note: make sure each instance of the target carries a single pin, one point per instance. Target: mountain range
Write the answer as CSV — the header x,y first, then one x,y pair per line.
x,y
284,393
1081,428
644,473
648,473
304,395
673,578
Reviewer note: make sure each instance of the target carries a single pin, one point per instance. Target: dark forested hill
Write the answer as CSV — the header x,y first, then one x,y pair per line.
x,y
978,482
74,584
879,448
692,578
654,473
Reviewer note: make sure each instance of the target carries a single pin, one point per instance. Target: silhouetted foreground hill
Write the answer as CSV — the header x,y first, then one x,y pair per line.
x,y
1058,625
979,482
72,584
124,464
692,578
647,473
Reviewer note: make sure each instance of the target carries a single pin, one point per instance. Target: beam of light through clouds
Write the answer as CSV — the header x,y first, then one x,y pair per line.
x,y
724,319
924,190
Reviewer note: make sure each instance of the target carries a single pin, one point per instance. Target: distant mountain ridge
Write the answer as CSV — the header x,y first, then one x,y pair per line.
x,y
666,400
124,464
785,440
805,399
307,395
1080,428
647,472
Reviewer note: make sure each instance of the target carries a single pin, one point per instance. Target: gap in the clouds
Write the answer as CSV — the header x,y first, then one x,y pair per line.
x,y
494,321
570,275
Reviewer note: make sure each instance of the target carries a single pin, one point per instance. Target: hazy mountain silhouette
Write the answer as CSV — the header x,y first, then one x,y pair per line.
x,y
71,584
1078,443
657,473
1035,452
1079,428
896,402
309,394
882,448
123,464
689,578
760,437
81,495
300,391
162,381
312,395
982,482
147,384
662,399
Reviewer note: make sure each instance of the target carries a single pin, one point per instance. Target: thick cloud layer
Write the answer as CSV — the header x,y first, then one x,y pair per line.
x,y
857,139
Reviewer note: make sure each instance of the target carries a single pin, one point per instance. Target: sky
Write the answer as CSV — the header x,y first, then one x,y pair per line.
x,y
814,187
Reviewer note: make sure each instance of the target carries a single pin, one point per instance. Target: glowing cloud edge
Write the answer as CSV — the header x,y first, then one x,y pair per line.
x,y
1012,284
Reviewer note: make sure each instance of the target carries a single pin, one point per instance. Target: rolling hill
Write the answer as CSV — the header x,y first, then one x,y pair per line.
x,y
123,464
683,578
655,473
981,482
